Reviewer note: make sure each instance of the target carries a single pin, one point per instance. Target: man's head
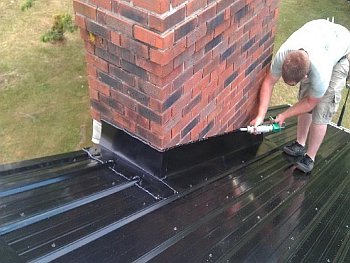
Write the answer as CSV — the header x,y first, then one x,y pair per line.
x,y
295,67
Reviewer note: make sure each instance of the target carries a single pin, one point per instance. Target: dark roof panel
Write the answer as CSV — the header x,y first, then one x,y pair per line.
x,y
250,205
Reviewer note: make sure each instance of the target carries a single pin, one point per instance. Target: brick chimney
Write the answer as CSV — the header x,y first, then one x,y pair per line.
x,y
171,72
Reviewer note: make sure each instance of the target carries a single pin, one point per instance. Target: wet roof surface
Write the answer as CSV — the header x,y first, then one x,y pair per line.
x,y
250,206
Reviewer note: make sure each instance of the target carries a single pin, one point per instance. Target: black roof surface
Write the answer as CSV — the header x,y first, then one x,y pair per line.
x,y
249,206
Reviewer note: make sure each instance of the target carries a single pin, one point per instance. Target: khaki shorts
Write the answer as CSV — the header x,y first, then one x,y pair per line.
x,y
348,78
328,106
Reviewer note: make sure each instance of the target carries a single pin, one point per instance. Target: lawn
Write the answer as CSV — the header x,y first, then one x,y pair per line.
x,y
44,100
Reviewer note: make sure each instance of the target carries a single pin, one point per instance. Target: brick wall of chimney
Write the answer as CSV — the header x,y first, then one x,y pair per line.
x,y
176,71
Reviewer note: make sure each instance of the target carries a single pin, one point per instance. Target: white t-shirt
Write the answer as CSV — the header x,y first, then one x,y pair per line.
x,y
325,42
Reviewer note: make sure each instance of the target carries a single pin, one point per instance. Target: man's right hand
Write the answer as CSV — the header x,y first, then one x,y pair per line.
x,y
257,121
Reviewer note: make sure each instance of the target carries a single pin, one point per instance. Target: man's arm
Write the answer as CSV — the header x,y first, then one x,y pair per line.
x,y
303,106
264,99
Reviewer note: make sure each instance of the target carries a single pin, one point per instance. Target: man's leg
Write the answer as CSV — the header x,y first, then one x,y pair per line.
x,y
322,114
316,135
297,148
304,122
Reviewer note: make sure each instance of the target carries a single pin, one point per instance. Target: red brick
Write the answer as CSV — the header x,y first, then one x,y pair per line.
x,y
185,58
176,130
123,122
97,62
136,47
213,64
116,38
91,70
164,57
96,115
185,28
165,142
221,28
196,110
197,129
84,34
93,93
201,85
80,21
172,141
194,5
84,9
182,78
156,105
103,88
100,42
106,4
123,99
157,6
148,136
224,4
200,64
193,81
120,25
162,24
99,86
207,13
188,128
180,104
156,128
171,121
145,123
209,108
187,89
203,41
154,91
89,47
122,75
130,12
154,68
222,95
175,3
166,116
195,35
154,39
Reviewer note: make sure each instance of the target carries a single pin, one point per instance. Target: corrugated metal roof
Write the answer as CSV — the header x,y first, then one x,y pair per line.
x,y
252,206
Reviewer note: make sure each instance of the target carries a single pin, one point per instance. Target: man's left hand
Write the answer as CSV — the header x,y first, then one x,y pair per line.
x,y
280,119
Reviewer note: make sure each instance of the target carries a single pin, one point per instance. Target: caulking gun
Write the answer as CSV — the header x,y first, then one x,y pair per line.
x,y
263,128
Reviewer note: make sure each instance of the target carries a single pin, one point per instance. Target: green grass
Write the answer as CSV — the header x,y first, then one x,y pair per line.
x,y
44,100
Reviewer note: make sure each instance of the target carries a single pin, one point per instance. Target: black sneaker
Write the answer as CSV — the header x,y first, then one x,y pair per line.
x,y
294,149
305,164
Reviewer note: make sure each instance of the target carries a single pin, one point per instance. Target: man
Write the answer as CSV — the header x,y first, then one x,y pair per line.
x,y
317,56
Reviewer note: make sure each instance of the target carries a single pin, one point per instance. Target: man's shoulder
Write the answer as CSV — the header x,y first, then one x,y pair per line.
x,y
317,23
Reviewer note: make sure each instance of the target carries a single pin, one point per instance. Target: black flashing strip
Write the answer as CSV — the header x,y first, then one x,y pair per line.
x,y
80,202
171,160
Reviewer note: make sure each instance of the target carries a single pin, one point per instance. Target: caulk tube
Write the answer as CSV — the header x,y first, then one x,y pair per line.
x,y
264,128
258,130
